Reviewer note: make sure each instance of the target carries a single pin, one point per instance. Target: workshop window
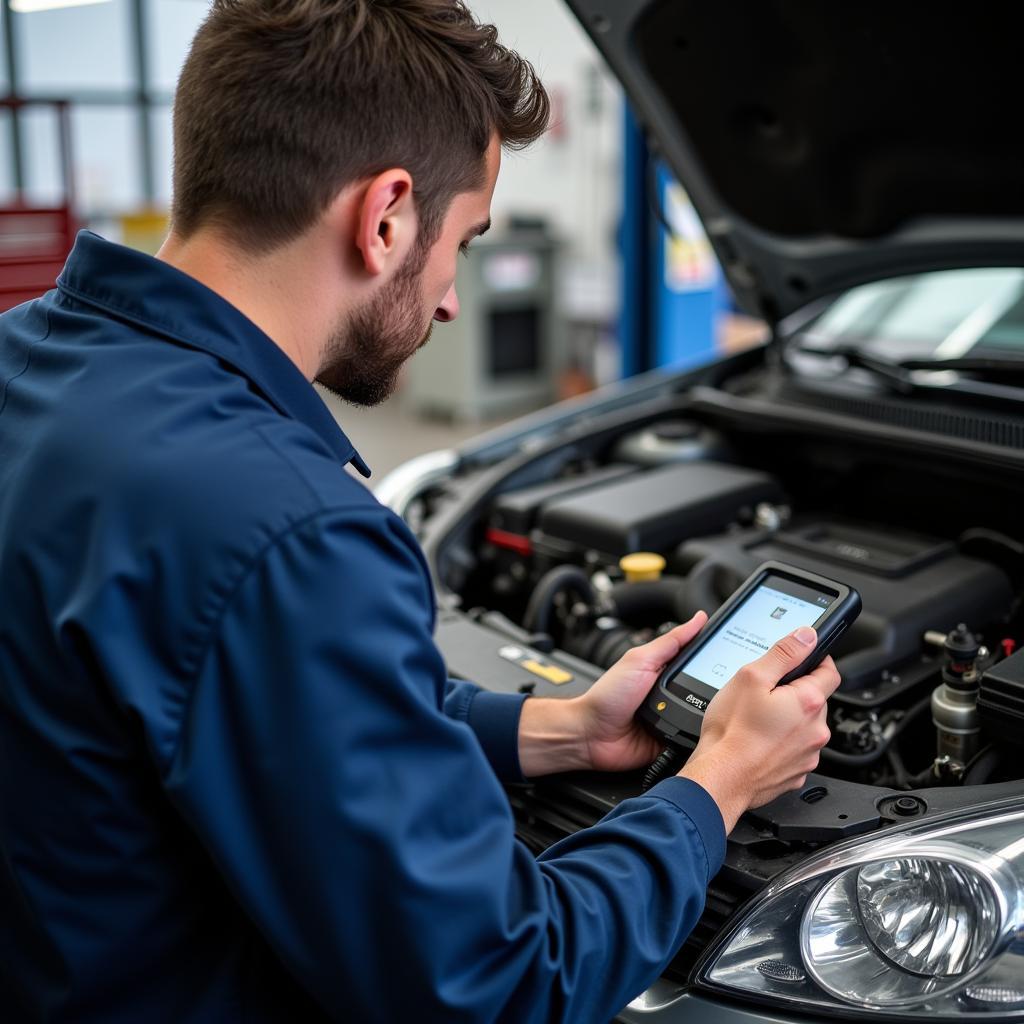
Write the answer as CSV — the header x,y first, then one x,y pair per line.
x,y
170,24
57,49
162,141
107,157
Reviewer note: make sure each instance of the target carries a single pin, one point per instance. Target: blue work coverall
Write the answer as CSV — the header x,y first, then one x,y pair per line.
x,y
235,781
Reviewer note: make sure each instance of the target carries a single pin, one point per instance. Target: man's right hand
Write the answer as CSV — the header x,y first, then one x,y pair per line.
x,y
759,739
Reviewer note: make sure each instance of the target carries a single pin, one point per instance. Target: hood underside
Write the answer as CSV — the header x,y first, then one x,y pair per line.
x,y
825,145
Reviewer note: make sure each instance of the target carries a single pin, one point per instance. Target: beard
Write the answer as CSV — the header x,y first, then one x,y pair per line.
x,y
370,346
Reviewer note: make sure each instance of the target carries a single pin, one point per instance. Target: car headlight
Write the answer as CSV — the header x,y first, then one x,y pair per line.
x,y
925,920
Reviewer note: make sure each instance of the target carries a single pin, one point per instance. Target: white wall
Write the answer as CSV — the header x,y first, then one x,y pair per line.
x,y
573,177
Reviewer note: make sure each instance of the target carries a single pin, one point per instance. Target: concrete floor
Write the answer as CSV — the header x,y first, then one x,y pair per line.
x,y
389,434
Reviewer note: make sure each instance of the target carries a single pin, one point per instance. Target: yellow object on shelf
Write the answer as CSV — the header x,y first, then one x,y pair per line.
x,y
642,566
144,230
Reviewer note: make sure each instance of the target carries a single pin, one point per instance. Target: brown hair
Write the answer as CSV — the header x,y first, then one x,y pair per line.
x,y
282,103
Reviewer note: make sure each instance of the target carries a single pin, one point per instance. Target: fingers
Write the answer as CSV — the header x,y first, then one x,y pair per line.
x,y
783,657
688,630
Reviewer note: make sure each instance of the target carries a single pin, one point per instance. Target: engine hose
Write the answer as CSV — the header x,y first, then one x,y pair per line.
x,y
706,585
537,618
899,769
869,757
841,758
923,779
980,533
668,762
912,713
982,765
904,780
612,646
602,647
674,598
648,603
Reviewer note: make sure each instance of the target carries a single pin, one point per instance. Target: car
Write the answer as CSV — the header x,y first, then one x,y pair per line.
x,y
858,173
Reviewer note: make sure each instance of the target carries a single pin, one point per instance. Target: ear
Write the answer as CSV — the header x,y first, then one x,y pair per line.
x,y
386,222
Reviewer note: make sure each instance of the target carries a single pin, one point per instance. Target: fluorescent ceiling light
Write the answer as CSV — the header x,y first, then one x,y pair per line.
x,y
30,6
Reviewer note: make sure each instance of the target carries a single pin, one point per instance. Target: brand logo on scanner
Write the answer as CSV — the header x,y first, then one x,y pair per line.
x,y
696,701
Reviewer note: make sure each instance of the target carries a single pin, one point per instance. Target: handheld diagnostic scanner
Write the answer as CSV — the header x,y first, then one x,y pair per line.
x,y
775,600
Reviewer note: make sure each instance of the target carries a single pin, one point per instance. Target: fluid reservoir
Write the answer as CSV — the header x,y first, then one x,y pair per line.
x,y
955,699
671,441
642,566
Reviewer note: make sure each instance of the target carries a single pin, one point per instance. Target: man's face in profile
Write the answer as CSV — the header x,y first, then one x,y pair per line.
x,y
369,346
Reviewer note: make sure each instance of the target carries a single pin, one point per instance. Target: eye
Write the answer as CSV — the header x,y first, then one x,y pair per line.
x,y
464,249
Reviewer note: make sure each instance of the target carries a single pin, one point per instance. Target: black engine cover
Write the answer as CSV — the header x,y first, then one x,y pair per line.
x,y
909,584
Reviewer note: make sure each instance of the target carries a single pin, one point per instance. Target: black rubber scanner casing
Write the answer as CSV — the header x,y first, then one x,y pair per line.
x,y
679,716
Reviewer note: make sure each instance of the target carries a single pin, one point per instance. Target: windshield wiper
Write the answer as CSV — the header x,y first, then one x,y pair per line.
x,y
905,376
967,364
894,374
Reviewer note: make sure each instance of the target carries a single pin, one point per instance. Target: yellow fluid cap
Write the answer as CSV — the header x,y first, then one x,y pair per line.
x,y
642,566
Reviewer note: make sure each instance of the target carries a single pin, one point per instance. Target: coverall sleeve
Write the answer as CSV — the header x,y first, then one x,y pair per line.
x,y
494,717
365,832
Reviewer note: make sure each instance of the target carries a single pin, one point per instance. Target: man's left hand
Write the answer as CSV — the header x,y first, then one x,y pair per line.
x,y
599,731
616,741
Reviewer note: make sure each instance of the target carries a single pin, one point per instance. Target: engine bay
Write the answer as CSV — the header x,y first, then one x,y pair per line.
x,y
541,591
554,561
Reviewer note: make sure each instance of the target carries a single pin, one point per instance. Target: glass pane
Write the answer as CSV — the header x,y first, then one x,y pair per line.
x,y
40,139
160,127
944,314
171,24
108,172
6,159
74,48
5,81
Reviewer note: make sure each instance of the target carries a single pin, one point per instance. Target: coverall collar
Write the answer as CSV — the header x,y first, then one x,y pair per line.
x,y
145,291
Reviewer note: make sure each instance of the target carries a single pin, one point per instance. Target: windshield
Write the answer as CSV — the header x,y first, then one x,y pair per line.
x,y
949,314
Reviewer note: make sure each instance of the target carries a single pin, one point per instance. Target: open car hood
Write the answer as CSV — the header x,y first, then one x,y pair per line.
x,y
825,145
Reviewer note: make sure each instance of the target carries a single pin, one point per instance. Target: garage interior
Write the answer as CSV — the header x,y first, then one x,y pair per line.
x,y
85,142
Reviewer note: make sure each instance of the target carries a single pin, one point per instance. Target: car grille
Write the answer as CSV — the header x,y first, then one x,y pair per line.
x,y
545,815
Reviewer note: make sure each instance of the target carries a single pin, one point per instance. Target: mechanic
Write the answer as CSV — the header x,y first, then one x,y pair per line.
x,y
235,783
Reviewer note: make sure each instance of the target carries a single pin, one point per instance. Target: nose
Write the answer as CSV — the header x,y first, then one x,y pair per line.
x,y
449,308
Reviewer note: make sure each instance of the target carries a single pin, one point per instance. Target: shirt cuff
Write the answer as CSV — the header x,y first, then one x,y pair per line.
x,y
494,717
696,803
